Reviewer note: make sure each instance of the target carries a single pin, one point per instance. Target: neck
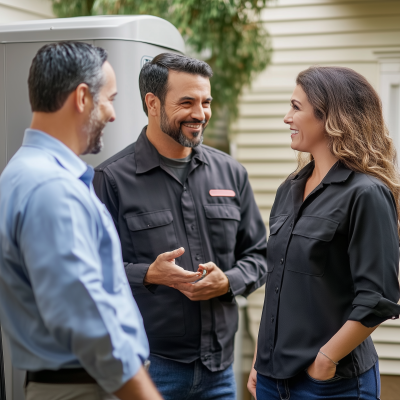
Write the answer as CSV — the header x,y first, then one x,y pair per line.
x,y
324,161
165,145
60,127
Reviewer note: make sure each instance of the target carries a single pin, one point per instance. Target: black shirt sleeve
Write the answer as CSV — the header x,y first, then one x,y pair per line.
x,y
250,269
374,253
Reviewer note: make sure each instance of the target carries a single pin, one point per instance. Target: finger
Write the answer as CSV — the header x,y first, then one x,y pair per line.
x,y
185,287
171,255
207,266
178,274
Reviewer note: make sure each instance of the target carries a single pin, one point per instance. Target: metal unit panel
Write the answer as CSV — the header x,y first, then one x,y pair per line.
x,y
127,60
140,28
3,134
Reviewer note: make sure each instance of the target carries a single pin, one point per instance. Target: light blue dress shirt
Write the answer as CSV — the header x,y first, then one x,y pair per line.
x,y
65,301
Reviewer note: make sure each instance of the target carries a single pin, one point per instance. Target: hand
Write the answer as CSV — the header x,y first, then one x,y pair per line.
x,y
322,368
164,271
213,285
252,383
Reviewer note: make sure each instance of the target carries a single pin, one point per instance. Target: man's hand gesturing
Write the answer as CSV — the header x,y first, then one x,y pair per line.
x,y
164,271
213,285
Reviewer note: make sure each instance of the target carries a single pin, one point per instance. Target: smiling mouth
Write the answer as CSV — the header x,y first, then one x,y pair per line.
x,y
193,126
294,132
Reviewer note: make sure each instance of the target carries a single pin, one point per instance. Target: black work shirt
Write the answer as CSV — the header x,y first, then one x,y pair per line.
x,y
154,213
332,258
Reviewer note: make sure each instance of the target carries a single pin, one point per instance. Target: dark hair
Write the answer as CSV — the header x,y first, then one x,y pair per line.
x,y
352,113
153,77
58,69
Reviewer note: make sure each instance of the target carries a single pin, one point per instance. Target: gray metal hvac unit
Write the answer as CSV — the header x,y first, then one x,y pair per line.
x,y
130,41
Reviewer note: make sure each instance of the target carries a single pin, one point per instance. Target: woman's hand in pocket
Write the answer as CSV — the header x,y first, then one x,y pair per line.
x,y
322,368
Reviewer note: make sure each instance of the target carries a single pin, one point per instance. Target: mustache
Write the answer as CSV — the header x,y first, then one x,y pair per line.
x,y
195,121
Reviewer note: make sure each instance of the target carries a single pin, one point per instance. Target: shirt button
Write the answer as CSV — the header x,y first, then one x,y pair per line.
x,y
276,289
184,188
281,260
197,257
272,319
291,224
193,226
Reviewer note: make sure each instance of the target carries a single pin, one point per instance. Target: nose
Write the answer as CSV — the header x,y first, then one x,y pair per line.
x,y
112,115
288,119
198,113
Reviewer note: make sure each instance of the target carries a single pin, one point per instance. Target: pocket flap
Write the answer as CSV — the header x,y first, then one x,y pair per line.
x,y
316,228
149,220
222,211
275,223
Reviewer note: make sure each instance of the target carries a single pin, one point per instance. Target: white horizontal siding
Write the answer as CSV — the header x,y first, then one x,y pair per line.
x,y
303,33
24,10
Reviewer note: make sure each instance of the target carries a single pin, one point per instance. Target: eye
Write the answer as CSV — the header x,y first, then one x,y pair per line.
x,y
294,106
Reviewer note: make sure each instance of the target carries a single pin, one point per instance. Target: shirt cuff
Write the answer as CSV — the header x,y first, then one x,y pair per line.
x,y
372,309
135,274
236,282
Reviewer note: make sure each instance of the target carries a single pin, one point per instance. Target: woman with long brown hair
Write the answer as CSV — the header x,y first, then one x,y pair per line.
x,y
333,250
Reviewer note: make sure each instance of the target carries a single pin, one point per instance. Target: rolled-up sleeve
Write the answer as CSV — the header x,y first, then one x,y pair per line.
x,y
374,257
250,269
85,304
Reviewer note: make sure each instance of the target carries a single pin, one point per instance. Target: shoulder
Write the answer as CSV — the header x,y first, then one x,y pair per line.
x,y
221,159
364,184
117,159
28,170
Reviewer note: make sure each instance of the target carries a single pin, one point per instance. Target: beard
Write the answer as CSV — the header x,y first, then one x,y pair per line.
x,y
94,131
177,134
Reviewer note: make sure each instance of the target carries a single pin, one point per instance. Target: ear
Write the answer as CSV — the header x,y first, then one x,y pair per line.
x,y
82,98
153,104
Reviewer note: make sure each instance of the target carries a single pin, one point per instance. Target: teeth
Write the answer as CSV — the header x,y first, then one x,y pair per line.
x,y
193,126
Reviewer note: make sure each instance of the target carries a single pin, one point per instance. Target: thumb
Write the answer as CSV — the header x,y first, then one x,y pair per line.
x,y
171,255
207,266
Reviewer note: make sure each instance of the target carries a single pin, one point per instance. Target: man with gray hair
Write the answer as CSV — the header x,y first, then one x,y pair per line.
x,y
168,190
65,301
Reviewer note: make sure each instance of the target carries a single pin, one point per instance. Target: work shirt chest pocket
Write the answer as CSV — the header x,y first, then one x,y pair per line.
x,y
152,233
223,222
309,245
275,223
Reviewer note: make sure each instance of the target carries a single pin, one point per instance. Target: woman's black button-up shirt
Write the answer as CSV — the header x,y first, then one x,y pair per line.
x,y
332,258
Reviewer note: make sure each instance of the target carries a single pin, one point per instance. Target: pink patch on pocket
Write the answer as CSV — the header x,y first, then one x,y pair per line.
x,y
222,193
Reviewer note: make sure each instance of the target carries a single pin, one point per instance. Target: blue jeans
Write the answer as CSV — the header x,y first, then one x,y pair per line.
x,y
194,381
367,386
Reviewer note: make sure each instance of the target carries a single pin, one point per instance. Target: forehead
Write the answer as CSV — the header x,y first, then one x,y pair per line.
x,y
110,80
184,84
299,94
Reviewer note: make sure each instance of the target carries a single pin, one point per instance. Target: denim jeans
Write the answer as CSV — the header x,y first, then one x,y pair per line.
x,y
194,381
367,386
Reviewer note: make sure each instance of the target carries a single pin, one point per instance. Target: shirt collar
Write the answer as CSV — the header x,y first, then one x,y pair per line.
x,y
338,173
147,156
64,155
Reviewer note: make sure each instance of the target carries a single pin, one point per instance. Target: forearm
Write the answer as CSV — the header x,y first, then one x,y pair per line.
x,y
349,336
139,387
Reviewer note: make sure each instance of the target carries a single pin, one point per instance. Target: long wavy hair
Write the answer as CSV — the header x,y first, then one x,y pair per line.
x,y
352,112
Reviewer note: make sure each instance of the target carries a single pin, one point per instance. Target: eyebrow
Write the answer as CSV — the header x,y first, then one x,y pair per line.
x,y
192,98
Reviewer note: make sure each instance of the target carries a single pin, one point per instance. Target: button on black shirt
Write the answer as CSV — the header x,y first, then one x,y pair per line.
x,y
154,213
332,258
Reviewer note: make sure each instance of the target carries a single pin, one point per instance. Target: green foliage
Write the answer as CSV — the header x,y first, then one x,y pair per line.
x,y
227,34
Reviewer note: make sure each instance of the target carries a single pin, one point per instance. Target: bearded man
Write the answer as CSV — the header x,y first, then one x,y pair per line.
x,y
65,302
182,208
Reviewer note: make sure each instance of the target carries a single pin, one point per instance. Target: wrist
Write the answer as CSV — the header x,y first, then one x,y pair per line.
x,y
324,362
147,280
